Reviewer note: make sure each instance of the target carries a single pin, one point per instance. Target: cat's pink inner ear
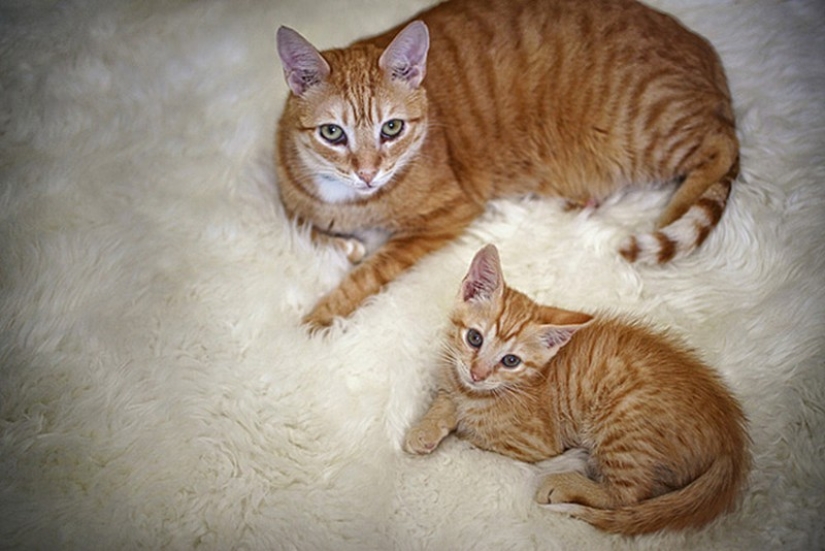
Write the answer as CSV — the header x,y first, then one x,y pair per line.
x,y
484,277
303,65
405,58
556,336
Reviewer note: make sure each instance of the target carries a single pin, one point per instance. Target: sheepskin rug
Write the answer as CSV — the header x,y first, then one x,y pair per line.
x,y
158,392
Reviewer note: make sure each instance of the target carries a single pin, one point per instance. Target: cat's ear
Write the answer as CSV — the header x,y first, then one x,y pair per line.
x,y
405,58
303,65
554,336
484,279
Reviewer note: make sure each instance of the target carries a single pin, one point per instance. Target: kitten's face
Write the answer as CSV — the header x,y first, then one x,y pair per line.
x,y
493,350
354,139
501,339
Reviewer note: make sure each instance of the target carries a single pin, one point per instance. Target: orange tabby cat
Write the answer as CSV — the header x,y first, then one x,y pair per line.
x,y
663,440
405,137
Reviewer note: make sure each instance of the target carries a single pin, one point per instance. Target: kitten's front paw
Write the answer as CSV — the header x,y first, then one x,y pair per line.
x,y
423,438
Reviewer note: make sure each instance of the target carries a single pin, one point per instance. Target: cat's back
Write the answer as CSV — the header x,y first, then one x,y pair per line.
x,y
616,346
524,87
624,368
516,55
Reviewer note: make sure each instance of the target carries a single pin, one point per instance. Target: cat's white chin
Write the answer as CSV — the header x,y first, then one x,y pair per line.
x,y
334,190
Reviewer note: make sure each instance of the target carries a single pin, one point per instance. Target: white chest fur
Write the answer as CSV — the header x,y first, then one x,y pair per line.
x,y
333,190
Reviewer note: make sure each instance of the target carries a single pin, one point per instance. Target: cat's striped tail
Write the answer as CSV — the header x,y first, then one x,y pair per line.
x,y
687,232
715,492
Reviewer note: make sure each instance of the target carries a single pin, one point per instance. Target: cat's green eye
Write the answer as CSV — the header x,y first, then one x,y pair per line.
x,y
510,361
474,338
332,133
392,129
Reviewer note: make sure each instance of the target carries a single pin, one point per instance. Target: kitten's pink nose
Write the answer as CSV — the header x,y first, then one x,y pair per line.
x,y
367,175
476,376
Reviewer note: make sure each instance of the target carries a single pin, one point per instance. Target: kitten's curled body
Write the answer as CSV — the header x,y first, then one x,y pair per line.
x,y
666,440
564,98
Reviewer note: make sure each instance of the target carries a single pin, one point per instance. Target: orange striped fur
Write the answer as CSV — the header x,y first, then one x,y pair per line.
x,y
661,442
561,98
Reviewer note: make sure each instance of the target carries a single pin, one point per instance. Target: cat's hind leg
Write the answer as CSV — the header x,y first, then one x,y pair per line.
x,y
573,459
695,208
566,478
574,487
606,484
706,185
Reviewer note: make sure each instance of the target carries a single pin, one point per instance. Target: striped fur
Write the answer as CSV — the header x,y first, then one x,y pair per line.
x,y
560,98
647,437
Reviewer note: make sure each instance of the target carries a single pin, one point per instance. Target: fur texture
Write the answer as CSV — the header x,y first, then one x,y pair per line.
x,y
413,132
156,391
666,441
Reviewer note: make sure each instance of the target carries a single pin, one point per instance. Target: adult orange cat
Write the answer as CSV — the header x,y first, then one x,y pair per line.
x,y
407,136
645,436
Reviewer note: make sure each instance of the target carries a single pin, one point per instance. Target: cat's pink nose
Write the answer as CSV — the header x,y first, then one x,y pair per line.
x,y
367,175
476,376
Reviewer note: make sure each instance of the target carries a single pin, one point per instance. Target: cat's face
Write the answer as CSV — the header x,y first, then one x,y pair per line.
x,y
358,115
355,140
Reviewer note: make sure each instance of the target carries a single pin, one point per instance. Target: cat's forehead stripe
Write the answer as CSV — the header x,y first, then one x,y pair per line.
x,y
359,95
510,324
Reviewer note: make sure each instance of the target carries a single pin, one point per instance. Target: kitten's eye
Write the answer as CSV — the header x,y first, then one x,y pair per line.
x,y
392,129
510,361
332,133
474,338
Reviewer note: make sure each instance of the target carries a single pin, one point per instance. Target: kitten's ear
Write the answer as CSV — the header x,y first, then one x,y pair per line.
x,y
484,279
405,58
554,336
303,65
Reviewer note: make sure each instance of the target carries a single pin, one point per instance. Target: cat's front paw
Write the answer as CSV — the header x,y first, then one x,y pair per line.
x,y
353,248
423,438
318,319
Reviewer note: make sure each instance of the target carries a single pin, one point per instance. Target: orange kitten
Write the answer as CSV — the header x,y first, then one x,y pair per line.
x,y
409,134
663,441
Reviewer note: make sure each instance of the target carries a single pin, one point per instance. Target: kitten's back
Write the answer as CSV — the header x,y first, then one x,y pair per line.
x,y
642,394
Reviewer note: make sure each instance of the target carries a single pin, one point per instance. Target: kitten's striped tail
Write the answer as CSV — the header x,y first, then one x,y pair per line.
x,y
715,492
687,232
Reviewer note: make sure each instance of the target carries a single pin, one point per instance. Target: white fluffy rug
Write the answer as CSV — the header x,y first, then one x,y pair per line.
x,y
156,391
